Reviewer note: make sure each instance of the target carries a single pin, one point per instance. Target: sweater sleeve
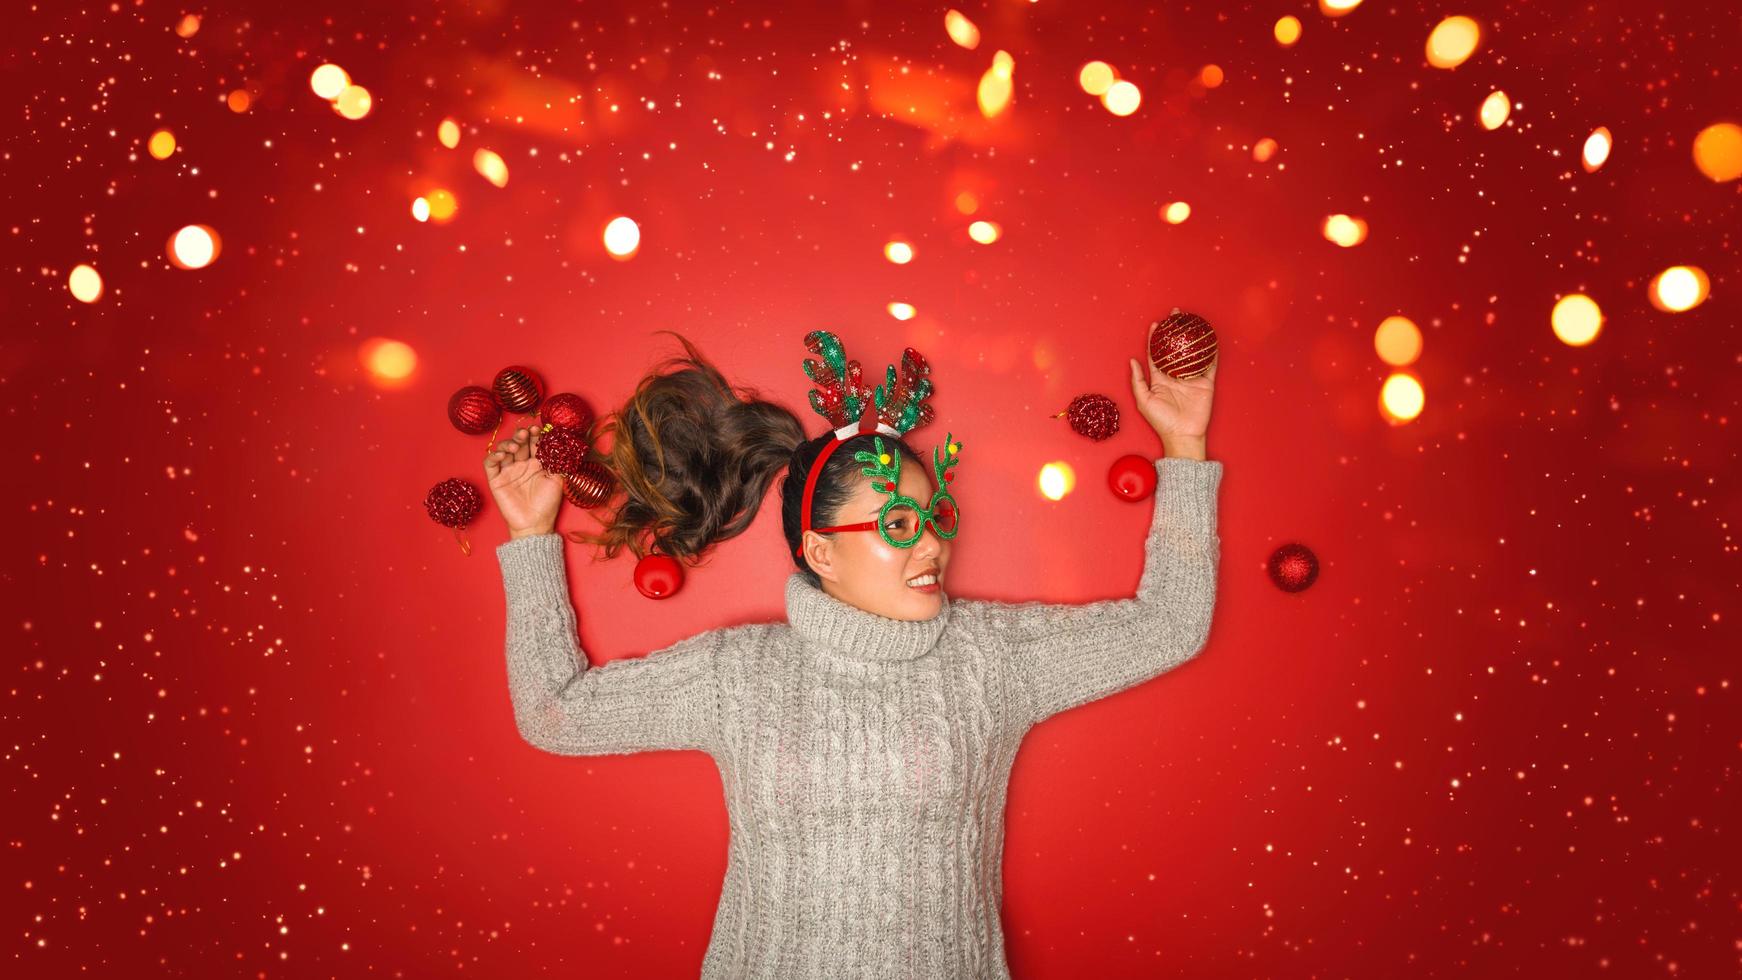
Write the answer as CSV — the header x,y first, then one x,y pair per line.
x,y
1063,656
664,700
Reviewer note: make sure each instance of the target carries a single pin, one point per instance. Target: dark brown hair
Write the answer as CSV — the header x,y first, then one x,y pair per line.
x,y
693,456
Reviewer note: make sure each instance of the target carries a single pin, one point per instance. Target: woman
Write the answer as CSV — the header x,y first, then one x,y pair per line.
x,y
865,744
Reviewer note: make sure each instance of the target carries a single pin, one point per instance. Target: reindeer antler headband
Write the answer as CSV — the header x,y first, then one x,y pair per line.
x,y
899,406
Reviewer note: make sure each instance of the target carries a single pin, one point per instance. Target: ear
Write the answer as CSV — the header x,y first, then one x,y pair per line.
x,y
819,553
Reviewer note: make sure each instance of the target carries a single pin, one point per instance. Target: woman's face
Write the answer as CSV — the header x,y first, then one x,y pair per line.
x,y
862,569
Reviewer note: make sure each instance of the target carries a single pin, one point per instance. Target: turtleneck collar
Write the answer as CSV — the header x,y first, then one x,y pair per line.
x,y
847,630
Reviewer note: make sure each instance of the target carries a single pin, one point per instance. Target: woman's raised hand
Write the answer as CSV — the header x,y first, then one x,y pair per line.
x,y
1178,409
526,493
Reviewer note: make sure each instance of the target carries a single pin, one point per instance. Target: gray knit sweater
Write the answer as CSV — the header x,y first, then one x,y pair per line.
x,y
864,759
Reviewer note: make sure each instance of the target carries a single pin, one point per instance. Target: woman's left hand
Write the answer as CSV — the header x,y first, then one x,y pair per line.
x,y
1178,409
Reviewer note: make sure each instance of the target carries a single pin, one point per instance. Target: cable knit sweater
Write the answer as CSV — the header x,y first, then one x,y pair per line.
x,y
864,759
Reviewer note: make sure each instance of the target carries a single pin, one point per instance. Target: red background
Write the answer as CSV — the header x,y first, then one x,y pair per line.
x,y
256,721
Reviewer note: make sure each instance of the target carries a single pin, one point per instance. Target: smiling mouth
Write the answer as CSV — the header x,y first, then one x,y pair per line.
x,y
928,580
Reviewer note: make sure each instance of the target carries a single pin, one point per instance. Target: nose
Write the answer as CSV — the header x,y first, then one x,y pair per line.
x,y
927,547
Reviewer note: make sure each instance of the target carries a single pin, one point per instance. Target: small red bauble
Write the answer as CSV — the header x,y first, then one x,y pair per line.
x,y
566,411
1293,567
1183,345
1094,416
519,388
590,485
474,410
560,450
658,576
453,502
1132,477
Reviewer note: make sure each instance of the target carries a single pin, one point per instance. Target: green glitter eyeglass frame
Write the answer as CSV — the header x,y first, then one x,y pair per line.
x,y
885,473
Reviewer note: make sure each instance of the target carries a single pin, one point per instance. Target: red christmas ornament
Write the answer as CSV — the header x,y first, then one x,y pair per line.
x,y
1182,344
1132,477
658,576
1293,567
560,450
519,388
590,485
474,410
1094,416
453,502
566,411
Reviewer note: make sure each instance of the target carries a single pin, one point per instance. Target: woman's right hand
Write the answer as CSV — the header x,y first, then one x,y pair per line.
x,y
526,493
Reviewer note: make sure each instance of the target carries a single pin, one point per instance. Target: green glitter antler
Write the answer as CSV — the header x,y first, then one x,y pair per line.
x,y
901,402
840,395
885,468
942,467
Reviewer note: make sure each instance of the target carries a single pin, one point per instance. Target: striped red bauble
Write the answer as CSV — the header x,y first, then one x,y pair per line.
x,y
1181,344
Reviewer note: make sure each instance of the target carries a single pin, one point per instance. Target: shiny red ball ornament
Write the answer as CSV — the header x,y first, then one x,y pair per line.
x,y
519,388
1132,477
1094,416
1293,567
560,450
1182,344
566,411
658,576
453,502
590,485
474,410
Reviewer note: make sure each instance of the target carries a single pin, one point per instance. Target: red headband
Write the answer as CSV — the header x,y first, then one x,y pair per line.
x,y
866,424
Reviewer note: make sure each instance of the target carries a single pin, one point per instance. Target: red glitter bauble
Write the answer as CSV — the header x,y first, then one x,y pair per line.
x,y
521,389
474,410
566,411
1094,416
561,451
1183,345
1293,567
453,502
590,485
1132,477
658,576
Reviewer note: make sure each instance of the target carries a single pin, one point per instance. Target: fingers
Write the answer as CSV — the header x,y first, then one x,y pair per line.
x,y
514,449
1138,388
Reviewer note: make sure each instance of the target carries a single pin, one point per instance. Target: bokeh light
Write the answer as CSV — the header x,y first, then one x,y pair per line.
x,y
996,87
1576,319
188,26
1337,8
353,102
85,284
1287,30
238,100
898,251
1401,398
420,208
1345,230
1122,98
390,363
1596,149
1176,212
1056,480
1211,76
1679,288
442,205
1097,77
1264,149
161,144
448,133
1452,42
1495,108
193,247
1397,341
985,232
622,237
902,311
1718,151
491,167
328,81
961,29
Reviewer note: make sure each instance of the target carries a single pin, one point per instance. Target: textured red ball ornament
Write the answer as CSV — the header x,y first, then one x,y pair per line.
x,y
566,411
658,576
561,451
1132,477
519,388
1293,567
474,410
453,502
1182,344
589,485
1094,416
